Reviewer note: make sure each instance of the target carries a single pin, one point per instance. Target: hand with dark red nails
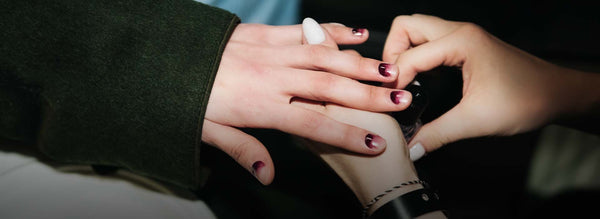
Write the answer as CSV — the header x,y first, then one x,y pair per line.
x,y
505,90
264,67
367,176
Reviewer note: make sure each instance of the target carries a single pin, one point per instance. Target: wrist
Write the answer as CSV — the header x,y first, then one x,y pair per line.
x,y
381,196
587,93
580,103
421,203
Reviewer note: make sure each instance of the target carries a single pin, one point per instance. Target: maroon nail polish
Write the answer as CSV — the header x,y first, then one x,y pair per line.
x,y
257,166
358,31
409,119
397,96
384,69
373,141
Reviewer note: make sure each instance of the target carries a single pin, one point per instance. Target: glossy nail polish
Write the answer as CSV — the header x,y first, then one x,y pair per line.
x,y
385,69
398,97
409,119
256,166
416,152
374,141
358,31
312,31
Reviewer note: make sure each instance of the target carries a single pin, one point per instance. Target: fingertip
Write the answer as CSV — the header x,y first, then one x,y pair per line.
x,y
375,144
388,71
313,33
401,98
263,171
416,151
361,34
346,35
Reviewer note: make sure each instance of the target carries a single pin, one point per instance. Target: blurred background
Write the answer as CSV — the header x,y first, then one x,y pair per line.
x,y
550,172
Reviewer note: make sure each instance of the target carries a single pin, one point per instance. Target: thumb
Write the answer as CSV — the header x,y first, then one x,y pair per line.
x,y
243,148
314,34
452,126
443,51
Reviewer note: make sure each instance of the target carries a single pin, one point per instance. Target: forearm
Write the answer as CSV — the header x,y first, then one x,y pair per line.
x,y
579,100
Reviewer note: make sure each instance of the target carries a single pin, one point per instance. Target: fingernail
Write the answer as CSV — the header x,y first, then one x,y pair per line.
x,y
256,167
400,97
386,69
358,31
416,152
312,31
374,141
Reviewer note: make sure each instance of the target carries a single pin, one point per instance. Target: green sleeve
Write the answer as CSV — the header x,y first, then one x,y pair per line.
x,y
121,83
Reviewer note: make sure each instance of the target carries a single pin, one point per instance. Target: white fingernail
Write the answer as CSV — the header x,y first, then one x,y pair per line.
x,y
416,152
312,31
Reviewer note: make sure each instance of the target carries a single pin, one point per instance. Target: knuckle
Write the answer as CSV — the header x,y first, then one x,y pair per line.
x,y
472,30
311,123
402,19
316,50
350,133
323,87
316,54
473,34
372,94
364,64
438,140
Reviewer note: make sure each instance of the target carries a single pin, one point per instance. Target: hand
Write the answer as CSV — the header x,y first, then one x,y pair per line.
x,y
367,176
263,67
506,90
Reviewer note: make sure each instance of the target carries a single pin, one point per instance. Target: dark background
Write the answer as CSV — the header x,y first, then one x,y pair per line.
x,y
476,178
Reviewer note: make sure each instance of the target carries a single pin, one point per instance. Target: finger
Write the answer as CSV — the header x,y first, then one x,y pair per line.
x,y
343,35
454,125
292,34
318,127
318,86
347,64
321,58
351,52
443,51
408,31
243,148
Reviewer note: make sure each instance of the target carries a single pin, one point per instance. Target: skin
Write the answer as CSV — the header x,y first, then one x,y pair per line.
x,y
506,90
264,67
367,175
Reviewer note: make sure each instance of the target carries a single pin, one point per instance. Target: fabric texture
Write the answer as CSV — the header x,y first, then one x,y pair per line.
x,y
117,83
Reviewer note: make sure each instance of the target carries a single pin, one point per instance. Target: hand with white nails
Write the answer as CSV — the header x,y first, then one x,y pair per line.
x,y
505,90
263,67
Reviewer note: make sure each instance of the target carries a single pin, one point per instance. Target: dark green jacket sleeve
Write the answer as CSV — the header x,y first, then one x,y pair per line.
x,y
121,83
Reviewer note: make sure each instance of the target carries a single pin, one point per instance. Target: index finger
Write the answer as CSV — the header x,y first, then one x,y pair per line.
x,y
414,30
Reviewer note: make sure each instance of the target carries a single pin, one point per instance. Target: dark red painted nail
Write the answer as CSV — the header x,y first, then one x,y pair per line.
x,y
385,69
257,166
374,141
399,97
358,31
